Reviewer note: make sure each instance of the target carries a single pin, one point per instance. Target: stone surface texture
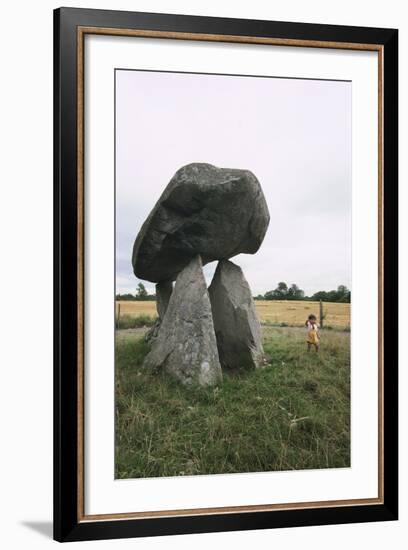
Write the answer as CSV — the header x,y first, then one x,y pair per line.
x,y
163,293
185,346
213,212
236,324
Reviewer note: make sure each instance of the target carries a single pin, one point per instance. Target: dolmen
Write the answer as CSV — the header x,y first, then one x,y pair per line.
x,y
204,214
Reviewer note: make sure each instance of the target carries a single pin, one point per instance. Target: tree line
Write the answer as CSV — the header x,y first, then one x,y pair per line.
x,y
141,295
281,292
293,292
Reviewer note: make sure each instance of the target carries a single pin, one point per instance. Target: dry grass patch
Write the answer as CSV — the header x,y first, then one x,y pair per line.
x,y
275,312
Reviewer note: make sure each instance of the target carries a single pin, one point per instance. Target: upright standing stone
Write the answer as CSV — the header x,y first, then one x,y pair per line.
x,y
236,324
163,293
186,346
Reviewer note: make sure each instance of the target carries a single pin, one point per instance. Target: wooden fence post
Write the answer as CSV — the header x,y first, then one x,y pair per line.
x,y
118,317
321,314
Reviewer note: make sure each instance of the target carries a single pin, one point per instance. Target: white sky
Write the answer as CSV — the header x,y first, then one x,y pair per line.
x,y
294,135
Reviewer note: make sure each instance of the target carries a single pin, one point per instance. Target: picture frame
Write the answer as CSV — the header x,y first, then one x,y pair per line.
x,y
71,27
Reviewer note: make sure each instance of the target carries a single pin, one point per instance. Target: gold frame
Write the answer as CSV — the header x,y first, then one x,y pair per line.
x,y
81,32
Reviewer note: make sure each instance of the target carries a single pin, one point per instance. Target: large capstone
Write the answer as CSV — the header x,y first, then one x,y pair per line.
x,y
214,212
236,324
186,347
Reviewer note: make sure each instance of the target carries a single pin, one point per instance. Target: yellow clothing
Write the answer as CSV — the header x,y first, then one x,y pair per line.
x,y
312,337
312,333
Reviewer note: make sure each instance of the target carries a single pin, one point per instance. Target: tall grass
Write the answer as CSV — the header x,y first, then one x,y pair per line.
x,y
293,414
143,320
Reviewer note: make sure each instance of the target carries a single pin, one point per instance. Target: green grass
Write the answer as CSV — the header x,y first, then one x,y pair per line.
x,y
143,320
293,414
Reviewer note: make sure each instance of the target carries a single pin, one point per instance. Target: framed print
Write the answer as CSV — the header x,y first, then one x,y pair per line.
x,y
225,274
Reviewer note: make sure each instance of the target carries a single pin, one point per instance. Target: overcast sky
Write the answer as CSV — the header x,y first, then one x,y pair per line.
x,y
294,135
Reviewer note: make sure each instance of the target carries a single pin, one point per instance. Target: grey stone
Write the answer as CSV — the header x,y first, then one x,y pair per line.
x,y
236,323
163,293
214,212
152,332
186,347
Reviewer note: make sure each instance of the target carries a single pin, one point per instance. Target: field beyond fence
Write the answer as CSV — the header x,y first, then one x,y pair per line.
x,y
273,312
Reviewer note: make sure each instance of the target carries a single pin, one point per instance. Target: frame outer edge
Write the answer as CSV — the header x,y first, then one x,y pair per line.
x,y
65,280
56,304
66,525
391,274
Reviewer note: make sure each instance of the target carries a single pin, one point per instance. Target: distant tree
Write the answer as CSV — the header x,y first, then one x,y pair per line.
x,y
342,289
342,294
295,293
283,292
125,297
141,295
282,288
141,292
270,295
280,292
321,295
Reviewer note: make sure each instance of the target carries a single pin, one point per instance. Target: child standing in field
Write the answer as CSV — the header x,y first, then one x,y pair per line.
x,y
313,336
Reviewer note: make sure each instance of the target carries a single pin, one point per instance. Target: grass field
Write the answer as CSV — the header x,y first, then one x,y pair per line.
x,y
293,414
293,313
